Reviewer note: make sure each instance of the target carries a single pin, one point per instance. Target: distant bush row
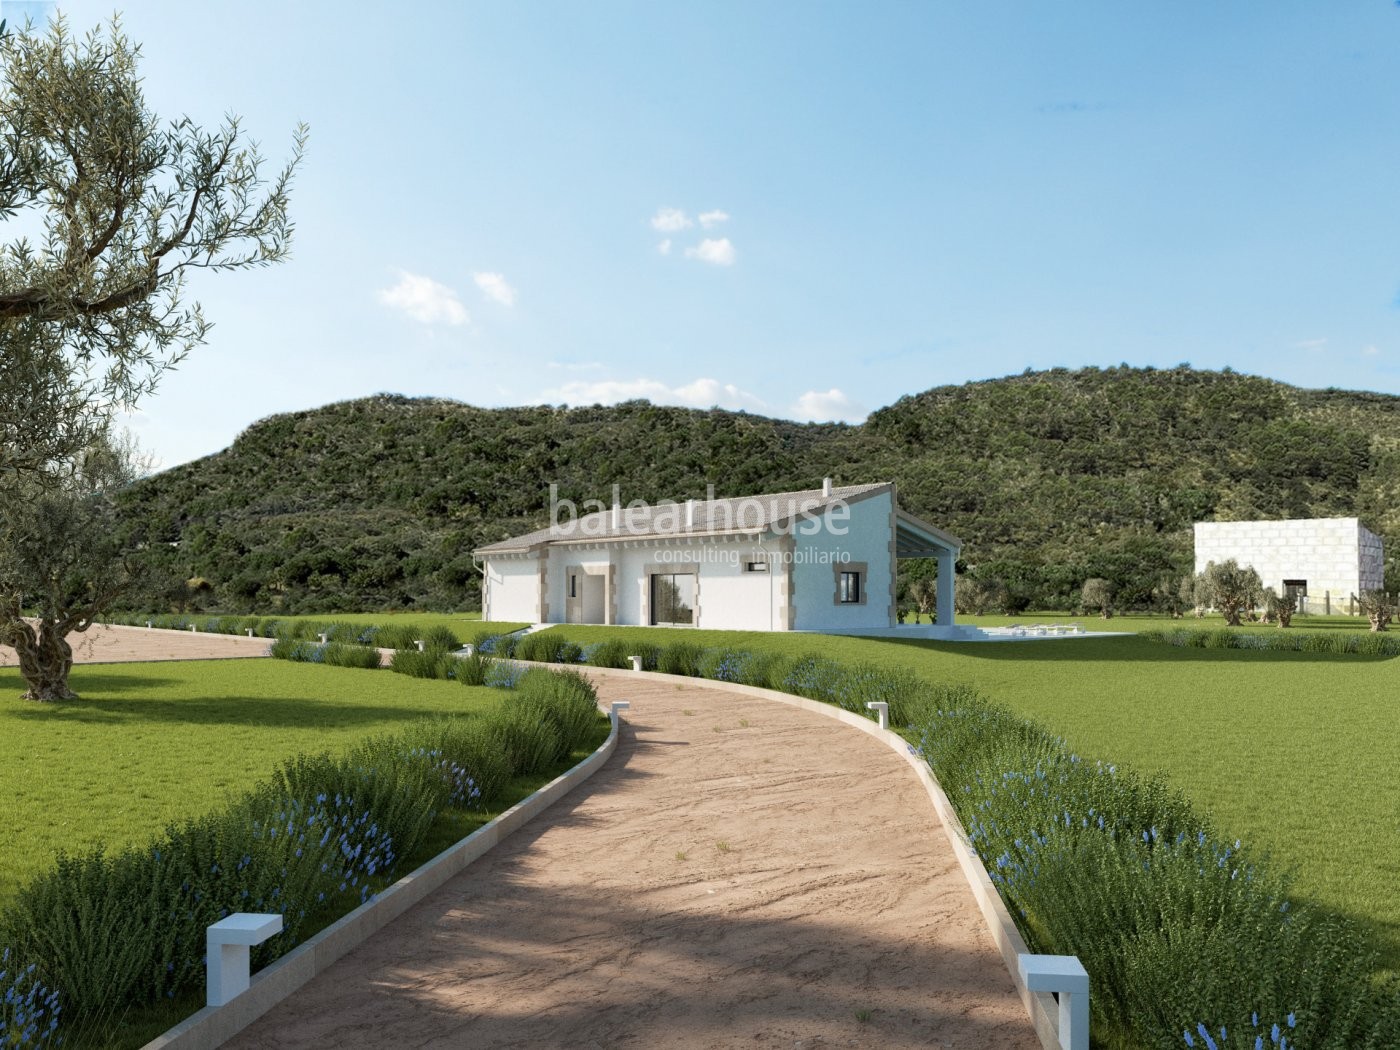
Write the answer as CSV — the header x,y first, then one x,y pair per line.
x,y
1280,641
385,636
1178,929
103,933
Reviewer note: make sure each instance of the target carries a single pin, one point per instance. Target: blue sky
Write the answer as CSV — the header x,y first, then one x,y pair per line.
x,y
800,209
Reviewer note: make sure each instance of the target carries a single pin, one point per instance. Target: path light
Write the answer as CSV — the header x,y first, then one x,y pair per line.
x,y
228,943
193,629
418,642
467,650
882,711
250,632
1066,978
636,662
617,708
148,625
322,636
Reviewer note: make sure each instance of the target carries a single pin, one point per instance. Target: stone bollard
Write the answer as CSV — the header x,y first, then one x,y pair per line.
x,y
617,708
636,662
1065,977
227,945
882,712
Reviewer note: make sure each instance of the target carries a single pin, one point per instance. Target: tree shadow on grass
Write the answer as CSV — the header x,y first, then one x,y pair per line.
x,y
231,710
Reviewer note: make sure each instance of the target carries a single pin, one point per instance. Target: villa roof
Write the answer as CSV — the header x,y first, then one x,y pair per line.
x,y
735,516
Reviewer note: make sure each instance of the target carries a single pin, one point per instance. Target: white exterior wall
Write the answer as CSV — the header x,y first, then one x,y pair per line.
x,y
869,534
1334,555
511,588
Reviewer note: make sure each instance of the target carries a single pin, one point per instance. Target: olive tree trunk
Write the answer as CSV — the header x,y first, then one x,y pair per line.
x,y
45,658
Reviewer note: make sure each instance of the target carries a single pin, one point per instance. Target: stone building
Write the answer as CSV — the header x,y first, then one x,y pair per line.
x,y
1326,562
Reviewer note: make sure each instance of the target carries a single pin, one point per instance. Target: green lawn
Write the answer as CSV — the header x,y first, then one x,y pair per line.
x,y
1293,752
150,743
1156,621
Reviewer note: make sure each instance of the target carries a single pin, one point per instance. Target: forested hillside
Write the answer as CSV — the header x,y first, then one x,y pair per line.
x,y
1048,477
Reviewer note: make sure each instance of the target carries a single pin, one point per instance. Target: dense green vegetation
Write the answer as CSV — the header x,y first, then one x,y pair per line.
x,y
1290,751
1050,478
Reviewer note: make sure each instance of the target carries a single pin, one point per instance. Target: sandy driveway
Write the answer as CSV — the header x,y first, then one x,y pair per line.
x,y
102,644
741,873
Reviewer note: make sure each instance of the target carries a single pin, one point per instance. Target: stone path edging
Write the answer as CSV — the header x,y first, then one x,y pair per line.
x,y
1041,1007
214,1025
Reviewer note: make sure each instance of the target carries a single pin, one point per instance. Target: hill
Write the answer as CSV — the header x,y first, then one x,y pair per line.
x,y
1048,477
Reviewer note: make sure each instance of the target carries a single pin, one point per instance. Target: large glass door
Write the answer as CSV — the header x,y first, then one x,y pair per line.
x,y
673,598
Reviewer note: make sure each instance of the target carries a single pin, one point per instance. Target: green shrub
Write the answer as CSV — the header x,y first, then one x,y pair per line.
x,y
612,653
395,636
720,665
473,669
567,699
526,736
440,637
462,748
342,654
432,663
764,670
682,658
547,647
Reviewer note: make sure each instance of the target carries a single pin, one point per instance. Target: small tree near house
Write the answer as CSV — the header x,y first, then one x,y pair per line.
x,y
1377,607
1097,595
923,593
1232,588
1280,607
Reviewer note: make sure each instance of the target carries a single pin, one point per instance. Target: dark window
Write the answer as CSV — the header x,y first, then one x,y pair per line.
x,y
573,585
849,588
673,598
1297,588
756,566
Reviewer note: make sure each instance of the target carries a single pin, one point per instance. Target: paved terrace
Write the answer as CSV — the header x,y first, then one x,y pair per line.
x,y
741,873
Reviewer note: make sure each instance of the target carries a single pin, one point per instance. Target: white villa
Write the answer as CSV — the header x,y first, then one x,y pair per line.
x,y
816,560
1325,562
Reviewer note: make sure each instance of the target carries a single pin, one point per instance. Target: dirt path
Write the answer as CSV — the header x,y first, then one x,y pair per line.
x,y
103,644
741,873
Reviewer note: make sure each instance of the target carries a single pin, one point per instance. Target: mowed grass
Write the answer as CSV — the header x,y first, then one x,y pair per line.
x,y
1295,753
1133,622
151,743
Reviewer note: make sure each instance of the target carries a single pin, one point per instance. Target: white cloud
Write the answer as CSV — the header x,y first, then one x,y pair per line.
x,y
718,253
1371,350
664,247
713,218
424,300
495,287
670,220
702,393
827,406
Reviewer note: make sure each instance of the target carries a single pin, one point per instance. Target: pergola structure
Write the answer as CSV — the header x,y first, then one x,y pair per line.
x,y
918,539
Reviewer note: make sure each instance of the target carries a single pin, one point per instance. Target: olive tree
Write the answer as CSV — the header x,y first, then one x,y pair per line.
x,y
64,561
924,594
1232,588
114,210
119,209
1280,607
1097,595
1377,607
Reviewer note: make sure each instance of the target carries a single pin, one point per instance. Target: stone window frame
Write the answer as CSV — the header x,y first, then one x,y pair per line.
x,y
862,569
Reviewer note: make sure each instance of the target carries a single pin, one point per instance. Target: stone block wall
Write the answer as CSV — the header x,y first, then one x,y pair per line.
x,y
1336,556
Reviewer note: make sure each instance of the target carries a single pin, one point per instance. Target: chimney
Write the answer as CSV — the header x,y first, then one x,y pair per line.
x,y
617,515
690,514
826,486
